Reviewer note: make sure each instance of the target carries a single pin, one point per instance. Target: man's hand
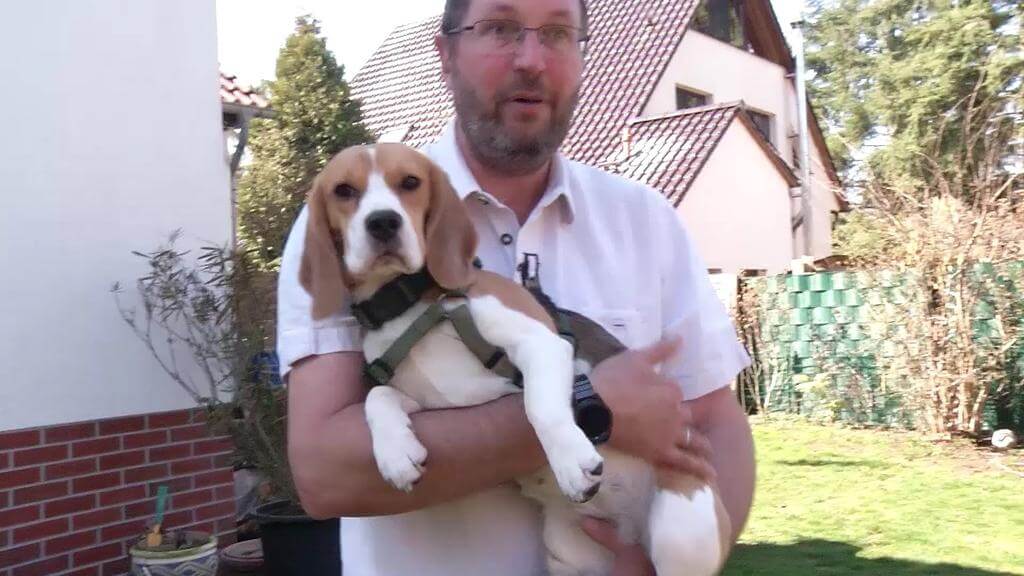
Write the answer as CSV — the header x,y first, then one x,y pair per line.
x,y
630,559
649,419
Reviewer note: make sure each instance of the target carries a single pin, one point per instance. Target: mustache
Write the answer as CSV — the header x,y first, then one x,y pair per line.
x,y
522,84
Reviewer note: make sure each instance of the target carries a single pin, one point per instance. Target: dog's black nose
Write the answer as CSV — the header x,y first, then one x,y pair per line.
x,y
383,225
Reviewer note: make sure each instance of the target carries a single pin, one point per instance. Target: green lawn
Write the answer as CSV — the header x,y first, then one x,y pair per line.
x,y
839,501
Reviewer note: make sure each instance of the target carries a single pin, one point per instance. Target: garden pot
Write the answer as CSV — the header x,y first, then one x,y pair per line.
x,y
195,560
295,544
244,557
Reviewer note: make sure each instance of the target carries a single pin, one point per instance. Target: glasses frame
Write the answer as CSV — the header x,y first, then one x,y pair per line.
x,y
581,42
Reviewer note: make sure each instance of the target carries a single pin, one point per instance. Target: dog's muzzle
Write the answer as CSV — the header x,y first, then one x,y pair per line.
x,y
383,225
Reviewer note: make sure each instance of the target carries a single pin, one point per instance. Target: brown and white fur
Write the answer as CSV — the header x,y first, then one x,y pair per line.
x,y
377,212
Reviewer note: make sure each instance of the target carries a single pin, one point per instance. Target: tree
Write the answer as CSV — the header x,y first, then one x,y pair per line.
x,y
892,78
314,118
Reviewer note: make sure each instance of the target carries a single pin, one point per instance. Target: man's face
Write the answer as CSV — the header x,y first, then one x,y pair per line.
x,y
514,103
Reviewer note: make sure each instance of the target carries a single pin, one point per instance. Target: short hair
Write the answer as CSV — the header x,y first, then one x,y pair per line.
x,y
455,11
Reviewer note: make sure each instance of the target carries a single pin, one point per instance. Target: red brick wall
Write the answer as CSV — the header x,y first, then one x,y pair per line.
x,y
74,497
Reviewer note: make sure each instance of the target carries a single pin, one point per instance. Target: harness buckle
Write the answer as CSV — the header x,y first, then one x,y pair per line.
x,y
377,373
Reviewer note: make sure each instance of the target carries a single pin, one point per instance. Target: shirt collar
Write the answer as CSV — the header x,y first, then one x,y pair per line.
x,y
446,152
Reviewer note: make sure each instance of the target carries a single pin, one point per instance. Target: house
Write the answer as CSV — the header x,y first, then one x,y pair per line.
x,y
696,99
239,104
112,140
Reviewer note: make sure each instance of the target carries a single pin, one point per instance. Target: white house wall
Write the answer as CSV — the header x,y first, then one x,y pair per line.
x,y
111,140
729,74
737,212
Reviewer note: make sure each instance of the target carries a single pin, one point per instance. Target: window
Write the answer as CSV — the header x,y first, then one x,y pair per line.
x,y
722,19
763,123
689,99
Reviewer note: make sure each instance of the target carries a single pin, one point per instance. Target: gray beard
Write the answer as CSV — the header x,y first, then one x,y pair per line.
x,y
494,147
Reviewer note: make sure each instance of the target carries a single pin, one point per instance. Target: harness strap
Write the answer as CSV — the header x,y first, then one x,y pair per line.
x,y
382,370
492,357
529,271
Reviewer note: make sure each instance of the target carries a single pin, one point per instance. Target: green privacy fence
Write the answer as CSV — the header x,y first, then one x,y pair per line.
x,y
824,343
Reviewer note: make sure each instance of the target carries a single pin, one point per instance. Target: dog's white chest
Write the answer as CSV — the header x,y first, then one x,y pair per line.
x,y
440,371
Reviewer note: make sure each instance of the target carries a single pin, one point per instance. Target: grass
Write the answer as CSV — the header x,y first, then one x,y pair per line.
x,y
838,501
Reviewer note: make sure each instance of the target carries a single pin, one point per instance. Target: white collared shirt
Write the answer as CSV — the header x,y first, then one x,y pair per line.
x,y
609,248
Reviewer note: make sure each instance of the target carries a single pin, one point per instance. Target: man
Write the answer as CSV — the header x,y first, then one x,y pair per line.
x,y
608,248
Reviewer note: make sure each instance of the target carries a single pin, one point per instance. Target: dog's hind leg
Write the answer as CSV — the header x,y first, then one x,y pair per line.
x,y
399,454
686,532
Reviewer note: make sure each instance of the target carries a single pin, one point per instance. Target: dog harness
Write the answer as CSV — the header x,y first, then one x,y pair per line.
x,y
402,293
397,296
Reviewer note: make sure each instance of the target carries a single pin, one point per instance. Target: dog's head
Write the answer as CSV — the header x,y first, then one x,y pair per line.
x,y
375,213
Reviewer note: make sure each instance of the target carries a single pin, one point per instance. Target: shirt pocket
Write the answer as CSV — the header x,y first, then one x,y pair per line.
x,y
626,324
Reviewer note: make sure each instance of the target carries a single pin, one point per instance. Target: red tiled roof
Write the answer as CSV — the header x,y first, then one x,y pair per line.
x,y
667,152
400,87
631,47
233,92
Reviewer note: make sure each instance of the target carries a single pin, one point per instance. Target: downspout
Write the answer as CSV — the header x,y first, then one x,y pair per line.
x,y
805,162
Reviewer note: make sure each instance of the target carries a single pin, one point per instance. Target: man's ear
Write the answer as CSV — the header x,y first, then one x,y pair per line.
x,y
449,234
443,46
321,270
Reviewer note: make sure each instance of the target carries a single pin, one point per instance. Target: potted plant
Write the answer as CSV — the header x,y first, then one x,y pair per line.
x,y
219,306
172,553
185,552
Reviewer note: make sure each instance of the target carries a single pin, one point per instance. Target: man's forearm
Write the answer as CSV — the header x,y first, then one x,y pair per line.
x,y
722,420
468,450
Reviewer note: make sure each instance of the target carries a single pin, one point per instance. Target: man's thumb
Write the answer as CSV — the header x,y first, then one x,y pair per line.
x,y
601,532
661,350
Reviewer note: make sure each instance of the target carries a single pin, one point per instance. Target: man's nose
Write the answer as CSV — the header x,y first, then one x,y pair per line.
x,y
529,53
383,225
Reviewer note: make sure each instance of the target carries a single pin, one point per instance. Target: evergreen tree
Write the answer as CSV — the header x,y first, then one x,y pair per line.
x,y
313,118
894,77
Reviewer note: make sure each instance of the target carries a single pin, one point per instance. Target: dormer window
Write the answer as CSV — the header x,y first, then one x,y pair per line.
x,y
723,20
763,122
686,98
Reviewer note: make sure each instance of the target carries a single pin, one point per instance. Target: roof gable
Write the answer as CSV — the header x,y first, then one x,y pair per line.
x,y
667,152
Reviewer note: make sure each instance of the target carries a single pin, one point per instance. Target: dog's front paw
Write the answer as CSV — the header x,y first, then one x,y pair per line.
x,y
400,458
576,464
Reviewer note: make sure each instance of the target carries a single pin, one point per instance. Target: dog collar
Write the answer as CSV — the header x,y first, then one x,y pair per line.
x,y
393,299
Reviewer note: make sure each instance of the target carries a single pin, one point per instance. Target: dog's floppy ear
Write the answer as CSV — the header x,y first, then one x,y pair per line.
x,y
320,272
450,237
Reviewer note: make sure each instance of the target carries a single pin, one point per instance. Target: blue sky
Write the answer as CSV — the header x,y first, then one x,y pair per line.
x,y
250,32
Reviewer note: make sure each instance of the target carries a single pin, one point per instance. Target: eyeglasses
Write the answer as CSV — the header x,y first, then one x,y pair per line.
x,y
506,35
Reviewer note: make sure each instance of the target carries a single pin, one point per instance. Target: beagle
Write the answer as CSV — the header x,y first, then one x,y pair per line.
x,y
379,212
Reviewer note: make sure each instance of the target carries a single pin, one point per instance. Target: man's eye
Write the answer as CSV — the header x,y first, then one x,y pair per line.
x,y
556,34
410,183
499,28
345,192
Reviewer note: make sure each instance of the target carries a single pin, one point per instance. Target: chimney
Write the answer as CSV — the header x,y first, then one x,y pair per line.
x,y
627,141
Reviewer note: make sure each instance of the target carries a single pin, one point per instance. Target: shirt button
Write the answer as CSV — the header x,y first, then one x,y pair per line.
x,y
506,239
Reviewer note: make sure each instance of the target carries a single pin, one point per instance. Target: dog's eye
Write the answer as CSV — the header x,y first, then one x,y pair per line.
x,y
345,192
410,183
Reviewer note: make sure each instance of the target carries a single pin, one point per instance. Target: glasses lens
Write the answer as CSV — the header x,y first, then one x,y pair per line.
x,y
557,37
499,33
